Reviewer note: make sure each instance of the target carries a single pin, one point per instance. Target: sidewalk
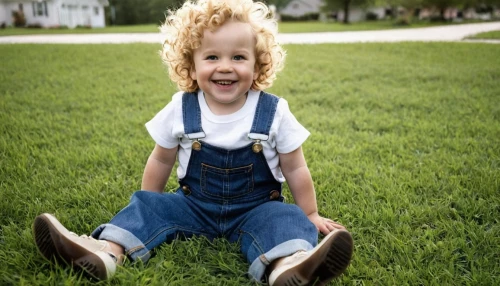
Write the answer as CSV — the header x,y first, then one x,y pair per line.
x,y
449,33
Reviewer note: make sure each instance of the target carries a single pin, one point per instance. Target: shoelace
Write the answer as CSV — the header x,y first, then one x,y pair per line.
x,y
86,237
299,254
104,244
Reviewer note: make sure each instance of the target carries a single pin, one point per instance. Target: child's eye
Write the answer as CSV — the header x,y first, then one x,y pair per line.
x,y
212,58
238,58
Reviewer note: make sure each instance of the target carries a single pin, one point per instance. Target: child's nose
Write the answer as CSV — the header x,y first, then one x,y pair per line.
x,y
225,66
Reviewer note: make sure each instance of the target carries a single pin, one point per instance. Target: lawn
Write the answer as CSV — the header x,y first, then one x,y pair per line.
x,y
404,151
148,28
491,35
284,27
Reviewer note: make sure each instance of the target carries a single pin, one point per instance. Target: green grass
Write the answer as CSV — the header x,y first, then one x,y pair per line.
x,y
310,27
284,27
147,28
492,35
404,151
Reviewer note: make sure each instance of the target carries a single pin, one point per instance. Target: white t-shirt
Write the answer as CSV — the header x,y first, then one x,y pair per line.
x,y
227,131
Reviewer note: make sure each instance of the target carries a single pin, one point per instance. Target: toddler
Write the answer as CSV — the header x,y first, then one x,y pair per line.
x,y
235,145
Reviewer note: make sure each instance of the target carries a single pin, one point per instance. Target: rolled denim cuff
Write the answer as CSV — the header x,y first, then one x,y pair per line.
x,y
134,248
258,267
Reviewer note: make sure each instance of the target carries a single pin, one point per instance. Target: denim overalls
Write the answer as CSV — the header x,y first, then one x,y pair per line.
x,y
225,193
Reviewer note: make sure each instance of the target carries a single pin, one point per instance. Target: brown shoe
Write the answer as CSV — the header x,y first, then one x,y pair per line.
x,y
85,253
327,260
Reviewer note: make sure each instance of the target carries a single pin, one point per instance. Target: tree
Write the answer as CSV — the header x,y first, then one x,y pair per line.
x,y
131,12
19,18
345,5
409,7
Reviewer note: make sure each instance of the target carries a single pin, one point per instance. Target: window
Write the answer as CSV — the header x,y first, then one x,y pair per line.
x,y
21,7
96,11
40,8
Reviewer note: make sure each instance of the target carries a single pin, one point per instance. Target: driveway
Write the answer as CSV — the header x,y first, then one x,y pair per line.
x,y
448,33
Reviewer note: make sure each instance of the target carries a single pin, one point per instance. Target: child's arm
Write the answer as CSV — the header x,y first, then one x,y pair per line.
x,y
294,168
158,169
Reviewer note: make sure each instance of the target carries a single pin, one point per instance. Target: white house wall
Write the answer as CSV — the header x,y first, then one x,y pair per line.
x,y
6,12
49,20
355,15
98,20
81,13
69,13
298,8
380,12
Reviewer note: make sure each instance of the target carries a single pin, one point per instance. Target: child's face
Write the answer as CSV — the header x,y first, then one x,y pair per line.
x,y
224,66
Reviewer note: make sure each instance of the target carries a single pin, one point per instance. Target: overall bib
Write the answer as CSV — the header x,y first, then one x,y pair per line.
x,y
225,193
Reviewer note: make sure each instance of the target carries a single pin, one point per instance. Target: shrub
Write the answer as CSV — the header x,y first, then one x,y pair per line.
x,y
19,19
484,9
305,17
370,16
59,27
34,26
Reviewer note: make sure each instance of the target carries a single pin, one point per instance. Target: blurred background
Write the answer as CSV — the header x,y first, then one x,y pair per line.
x,y
63,14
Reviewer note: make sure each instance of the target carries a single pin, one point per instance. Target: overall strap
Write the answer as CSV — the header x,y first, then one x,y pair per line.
x,y
191,115
264,116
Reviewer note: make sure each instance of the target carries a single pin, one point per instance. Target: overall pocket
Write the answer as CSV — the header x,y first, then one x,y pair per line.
x,y
226,183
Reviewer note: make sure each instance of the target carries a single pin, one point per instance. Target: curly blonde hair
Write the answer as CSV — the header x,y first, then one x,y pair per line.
x,y
184,30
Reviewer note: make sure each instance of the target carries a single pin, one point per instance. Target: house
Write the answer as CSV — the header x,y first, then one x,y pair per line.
x,y
297,8
457,15
55,13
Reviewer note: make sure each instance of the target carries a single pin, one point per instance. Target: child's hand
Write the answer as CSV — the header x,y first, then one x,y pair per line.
x,y
324,225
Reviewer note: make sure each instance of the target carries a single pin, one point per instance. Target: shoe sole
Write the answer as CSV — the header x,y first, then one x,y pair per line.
x,y
329,260
54,245
337,259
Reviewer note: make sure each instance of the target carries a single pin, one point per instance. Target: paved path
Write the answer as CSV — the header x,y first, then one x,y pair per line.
x,y
432,34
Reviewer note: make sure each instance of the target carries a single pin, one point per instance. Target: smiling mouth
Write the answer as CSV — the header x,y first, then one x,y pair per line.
x,y
223,82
